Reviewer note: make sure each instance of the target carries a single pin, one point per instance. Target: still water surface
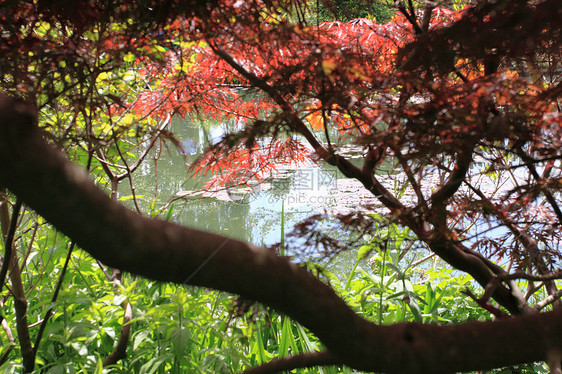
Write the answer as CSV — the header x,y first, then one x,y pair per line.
x,y
257,217
292,193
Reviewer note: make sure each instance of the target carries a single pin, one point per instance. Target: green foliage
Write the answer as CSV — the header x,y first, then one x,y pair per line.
x,y
385,288
178,329
343,10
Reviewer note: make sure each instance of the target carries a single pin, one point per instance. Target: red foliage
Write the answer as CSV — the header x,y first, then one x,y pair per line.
x,y
243,166
344,64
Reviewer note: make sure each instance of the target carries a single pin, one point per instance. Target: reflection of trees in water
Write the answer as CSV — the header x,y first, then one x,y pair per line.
x,y
256,218
170,175
223,217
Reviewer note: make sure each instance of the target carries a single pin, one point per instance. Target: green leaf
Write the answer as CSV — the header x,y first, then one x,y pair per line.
x,y
118,299
140,337
286,339
415,309
152,365
180,337
99,366
307,345
125,198
129,58
170,212
364,251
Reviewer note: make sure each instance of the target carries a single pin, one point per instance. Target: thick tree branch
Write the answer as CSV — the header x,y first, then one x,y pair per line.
x,y
8,228
552,298
441,196
20,306
304,360
428,9
68,199
11,261
482,270
120,350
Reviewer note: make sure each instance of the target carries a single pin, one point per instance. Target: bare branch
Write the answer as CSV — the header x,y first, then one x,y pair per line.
x,y
528,242
551,200
146,151
483,302
411,17
550,299
532,277
415,185
130,177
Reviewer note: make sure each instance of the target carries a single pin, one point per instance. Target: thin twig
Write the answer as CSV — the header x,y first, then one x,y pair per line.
x,y
49,313
8,244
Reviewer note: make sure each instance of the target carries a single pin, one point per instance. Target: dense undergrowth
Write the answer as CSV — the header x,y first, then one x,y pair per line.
x,y
180,329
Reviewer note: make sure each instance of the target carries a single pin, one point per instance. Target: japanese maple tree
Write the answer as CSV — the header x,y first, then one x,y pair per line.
x,y
436,115
465,102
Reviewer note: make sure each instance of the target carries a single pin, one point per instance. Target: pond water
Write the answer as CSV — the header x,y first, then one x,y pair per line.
x,y
253,216
259,217
256,217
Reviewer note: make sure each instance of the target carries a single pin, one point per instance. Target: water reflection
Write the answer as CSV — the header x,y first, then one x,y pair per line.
x,y
188,147
256,218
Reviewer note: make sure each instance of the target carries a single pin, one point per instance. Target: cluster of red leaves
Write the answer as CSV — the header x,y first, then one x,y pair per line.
x,y
343,68
248,166
198,83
